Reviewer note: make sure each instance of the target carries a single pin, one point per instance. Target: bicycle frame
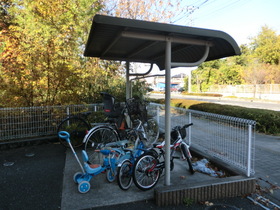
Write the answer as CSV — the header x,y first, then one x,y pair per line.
x,y
177,143
89,170
139,146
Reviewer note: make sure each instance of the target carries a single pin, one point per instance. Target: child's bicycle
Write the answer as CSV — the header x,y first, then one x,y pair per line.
x,y
127,161
89,170
150,165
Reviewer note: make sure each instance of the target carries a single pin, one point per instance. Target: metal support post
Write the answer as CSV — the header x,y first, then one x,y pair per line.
x,y
249,151
127,87
167,110
190,130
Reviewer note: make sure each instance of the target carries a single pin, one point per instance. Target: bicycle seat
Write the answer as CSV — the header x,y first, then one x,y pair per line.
x,y
111,109
106,152
90,168
159,145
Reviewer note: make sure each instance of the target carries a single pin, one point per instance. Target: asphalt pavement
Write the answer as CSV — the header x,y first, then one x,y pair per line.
x,y
243,102
40,177
32,176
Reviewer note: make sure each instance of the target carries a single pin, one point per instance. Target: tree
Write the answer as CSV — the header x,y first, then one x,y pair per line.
x,y
41,59
151,10
266,46
5,17
258,64
42,47
263,58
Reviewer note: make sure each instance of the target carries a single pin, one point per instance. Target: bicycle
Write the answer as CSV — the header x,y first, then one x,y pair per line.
x,y
150,165
77,125
126,162
116,131
90,170
116,116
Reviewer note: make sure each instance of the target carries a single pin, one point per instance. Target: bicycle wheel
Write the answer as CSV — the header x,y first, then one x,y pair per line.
x,y
76,127
110,176
186,153
152,131
145,172
97,139
124,175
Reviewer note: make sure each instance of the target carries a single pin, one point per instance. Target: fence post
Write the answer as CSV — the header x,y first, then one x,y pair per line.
x,y
67,111
158,114
68,114
249,151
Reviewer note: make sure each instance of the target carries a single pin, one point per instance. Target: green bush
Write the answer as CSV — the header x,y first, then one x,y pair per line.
x,y
267,121
202,94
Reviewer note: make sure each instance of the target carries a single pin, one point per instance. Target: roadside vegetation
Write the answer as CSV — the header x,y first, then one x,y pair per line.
x,y
42,62
42,44
267,121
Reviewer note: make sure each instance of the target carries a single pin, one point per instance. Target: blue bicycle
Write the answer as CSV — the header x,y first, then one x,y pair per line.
x,y
90,170
127,161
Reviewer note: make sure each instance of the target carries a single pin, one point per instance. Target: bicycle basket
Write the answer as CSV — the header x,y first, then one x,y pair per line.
x,y
174,133
174,136
132,106
137,108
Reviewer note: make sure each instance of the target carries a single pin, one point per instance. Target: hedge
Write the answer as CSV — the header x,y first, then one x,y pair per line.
x,y
268,121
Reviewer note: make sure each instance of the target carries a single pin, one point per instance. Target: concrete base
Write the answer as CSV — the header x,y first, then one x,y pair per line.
x,y
203,190
183,186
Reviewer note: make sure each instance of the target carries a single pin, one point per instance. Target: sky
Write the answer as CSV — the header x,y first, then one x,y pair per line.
x,y
241,19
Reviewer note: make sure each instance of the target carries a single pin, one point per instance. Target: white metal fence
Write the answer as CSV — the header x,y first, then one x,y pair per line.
x,y
229,139
260,91
28,122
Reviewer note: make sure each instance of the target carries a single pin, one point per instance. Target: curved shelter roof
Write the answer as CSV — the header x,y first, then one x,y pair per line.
x,y
166,45
130,40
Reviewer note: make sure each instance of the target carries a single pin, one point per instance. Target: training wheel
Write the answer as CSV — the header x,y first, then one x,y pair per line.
x,y
77,176
110,176
84,187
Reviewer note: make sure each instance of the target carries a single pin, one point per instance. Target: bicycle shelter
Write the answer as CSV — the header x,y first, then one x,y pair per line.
x,y
166,45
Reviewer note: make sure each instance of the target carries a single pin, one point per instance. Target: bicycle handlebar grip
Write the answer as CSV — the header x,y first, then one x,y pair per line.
x,y
188,125
64,135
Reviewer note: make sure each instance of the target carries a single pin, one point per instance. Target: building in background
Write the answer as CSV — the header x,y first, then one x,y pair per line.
x,y
158,82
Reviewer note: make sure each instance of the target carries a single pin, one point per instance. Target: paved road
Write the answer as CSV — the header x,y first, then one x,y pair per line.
x,y
259,104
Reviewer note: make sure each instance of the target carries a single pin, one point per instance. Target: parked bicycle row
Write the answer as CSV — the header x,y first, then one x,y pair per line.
x,y
125,146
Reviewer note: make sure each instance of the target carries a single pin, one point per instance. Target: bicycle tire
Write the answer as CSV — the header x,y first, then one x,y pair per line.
x,y
110,177
124,175
77,128
96,139
185,151
145,174
152,131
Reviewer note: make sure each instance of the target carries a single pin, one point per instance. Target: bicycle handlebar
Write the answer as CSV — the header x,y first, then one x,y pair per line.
x,y
64,135
188,125
105,152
